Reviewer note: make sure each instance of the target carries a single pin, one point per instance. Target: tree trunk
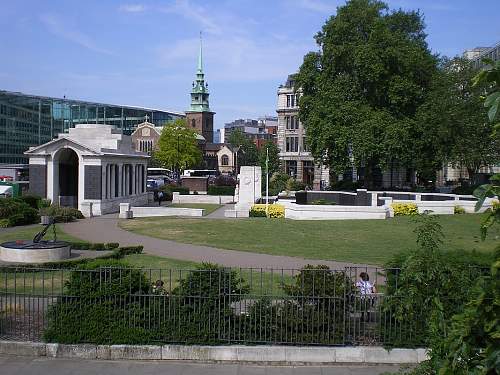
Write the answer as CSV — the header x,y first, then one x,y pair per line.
x,y
472,175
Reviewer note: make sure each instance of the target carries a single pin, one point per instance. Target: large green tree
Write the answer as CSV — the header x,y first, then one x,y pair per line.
x,y
452,125
177,147
361,90
271,150
247,151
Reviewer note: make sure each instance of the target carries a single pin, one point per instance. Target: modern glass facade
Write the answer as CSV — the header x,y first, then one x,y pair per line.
x,y
28,120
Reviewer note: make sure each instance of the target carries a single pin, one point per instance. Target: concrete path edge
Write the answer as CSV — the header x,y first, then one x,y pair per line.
x,y
290,355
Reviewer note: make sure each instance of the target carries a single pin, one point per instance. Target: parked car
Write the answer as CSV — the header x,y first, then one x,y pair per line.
x,y
152,185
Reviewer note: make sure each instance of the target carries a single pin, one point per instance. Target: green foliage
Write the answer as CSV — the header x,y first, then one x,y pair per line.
x,y
404,209
32,200
458,210
294,185
14,211
345,185
491,190
177,146
454,122
473,342
322,202
359,96
428,281
94,246
247,153
220,190
491,78
307,319
277,183
172,188
61,214
270,150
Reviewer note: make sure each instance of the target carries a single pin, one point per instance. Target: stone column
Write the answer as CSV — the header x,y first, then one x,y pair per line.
x,y
120,179
104,180
112,181
132,167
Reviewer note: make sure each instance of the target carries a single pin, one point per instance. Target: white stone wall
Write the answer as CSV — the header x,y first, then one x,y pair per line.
x,y
209,199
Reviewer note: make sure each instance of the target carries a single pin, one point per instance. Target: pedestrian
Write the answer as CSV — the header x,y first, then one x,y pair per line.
x,y
366,290
160,197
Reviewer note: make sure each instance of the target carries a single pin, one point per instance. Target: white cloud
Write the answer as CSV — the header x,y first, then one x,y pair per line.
x,y
59,27
132,8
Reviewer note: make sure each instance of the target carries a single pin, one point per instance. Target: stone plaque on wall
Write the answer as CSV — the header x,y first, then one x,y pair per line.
x,y
93,184
38,180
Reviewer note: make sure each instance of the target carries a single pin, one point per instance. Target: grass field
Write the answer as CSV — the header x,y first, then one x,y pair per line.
x,y
209,208
362,241
27,233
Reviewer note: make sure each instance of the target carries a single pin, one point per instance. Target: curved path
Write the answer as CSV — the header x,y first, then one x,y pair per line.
x,y
105,229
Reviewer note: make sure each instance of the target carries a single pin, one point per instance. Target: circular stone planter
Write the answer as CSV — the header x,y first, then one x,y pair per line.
x,y
30,252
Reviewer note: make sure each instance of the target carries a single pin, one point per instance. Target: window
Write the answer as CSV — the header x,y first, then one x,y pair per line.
x,y
292,100
292,144
305,146
292,122
291,168
225,160
193,123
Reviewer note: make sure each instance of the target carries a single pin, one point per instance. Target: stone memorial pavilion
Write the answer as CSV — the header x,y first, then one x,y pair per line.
x,y
93,167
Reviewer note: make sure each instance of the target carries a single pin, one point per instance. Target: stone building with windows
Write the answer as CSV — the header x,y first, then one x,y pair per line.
x,y
294,154
145,137
93,167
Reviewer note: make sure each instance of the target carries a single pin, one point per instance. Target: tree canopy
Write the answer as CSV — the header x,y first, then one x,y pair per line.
x,y
361,91
177,147
247,153
452,126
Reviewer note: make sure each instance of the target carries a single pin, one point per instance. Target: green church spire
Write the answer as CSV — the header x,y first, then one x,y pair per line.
x,y
199,92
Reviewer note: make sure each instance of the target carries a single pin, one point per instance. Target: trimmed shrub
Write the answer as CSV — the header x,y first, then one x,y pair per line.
x,y
17,212
97,246
171,188
111,245
404,209
294,185
128,250
458,210
4,223
221,190
276,211
61,214
32,200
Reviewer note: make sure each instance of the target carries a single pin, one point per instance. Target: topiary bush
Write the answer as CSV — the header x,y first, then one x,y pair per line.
x,y
458,210
404,209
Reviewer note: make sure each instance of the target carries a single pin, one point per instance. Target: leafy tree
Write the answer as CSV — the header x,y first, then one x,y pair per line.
x,y
452,122
247,153
177,146
360,92
269,149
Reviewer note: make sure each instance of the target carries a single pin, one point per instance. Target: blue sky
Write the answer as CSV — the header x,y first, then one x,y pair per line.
x,y
144,52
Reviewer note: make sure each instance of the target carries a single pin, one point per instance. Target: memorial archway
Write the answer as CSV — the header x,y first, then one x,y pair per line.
x,y
66,177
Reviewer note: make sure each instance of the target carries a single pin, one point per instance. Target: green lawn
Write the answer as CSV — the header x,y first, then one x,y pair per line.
x,y
27,233
361,241
209,208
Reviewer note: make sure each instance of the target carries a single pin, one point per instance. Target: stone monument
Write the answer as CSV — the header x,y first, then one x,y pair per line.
x,y
248,191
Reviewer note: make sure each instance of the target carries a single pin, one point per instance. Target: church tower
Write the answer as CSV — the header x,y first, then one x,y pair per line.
x,y
199,117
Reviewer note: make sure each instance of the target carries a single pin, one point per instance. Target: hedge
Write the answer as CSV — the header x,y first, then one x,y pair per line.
x,y
182,190
221,190
61,214
276,211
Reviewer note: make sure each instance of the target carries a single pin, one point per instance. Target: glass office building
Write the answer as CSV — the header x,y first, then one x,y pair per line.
x,y
29,120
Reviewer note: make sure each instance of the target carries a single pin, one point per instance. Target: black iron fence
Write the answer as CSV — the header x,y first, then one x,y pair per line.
x,y
205,306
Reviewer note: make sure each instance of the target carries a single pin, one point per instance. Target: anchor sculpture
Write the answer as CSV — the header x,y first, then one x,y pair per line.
x,y
48,223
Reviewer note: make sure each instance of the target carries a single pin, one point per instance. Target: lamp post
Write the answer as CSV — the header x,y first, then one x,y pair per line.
x,y
267,180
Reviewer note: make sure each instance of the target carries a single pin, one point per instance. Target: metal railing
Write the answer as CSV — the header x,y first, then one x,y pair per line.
x,y
208,306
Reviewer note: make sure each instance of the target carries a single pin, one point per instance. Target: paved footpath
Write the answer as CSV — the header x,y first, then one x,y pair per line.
x,y
59,366
105,229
